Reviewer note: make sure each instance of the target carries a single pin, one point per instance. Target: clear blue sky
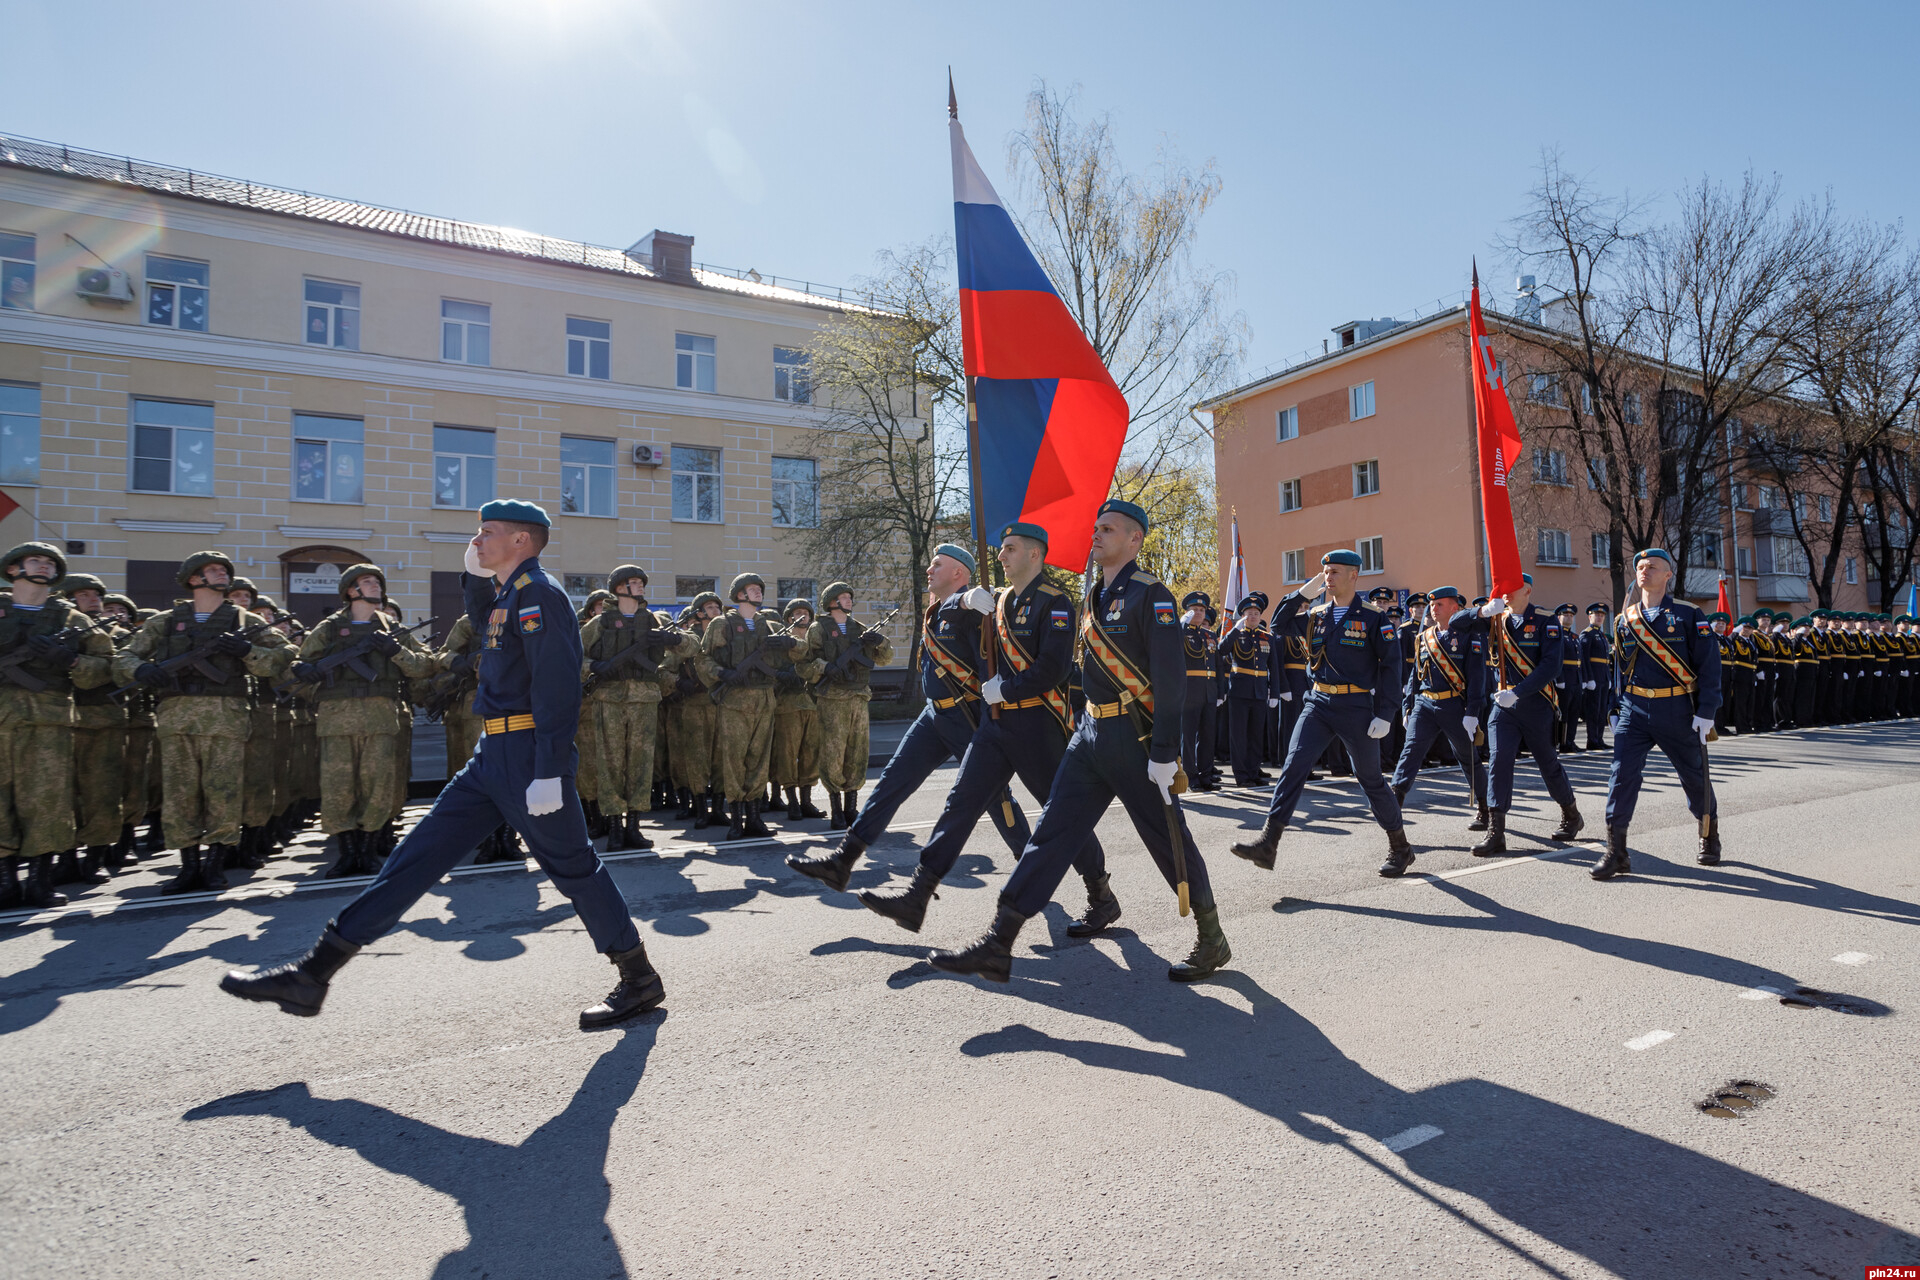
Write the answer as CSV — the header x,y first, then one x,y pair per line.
x,y
1367,149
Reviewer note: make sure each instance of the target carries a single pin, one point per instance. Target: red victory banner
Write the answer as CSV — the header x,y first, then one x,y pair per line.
x,y
1499,442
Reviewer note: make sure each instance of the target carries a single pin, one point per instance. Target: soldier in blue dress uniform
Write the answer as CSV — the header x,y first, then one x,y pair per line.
x,y
522,774
1246,657
1597,652
1445,696
1572,682
1196,718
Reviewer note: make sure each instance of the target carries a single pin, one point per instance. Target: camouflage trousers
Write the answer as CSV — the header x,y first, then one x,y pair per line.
x,y
796,748
200,782
693,757
357,781
742,741
140,775
283,761
306,760
403,762
99,783
843,743
586,776
36,789
257,800
622,746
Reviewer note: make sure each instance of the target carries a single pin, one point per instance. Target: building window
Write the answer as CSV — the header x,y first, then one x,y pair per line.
x,y
792,379
1287,424
1366,478
1556,547
692,362
1597,474
1790,557
1373,555
1289,495
796,589
19,434
1741,500
1550,466
1603,551
172,447
176,293
1639,480
466,332
1853,571
1742,561
696,484
686,587
333,315
1360,401
16,271
328,458
1630,408
1293,566
796,493
586,476
1545,388
462,467
1826,508
1586,398
1706,549
579,586
1767,497
589,348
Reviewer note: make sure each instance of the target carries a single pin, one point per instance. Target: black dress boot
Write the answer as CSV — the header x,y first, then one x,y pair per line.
x,y
1210,949
1399,855
905,907
189,880
1261,852
991,954
126,849
685,810
1102,908
1710,844
596,821
616,832
153,839
636,838
793,804
638,991
1494,845
736,820
1617,862
756,826
808,809
213,868
850,805
836,801
346,861
298,988
9,882
253,848
1570,823
706,811
1400,792
37,889
82,869
106,858
831,869
1479,822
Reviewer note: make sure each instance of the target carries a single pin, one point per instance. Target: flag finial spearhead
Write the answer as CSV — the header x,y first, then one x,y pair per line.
x,y
953,104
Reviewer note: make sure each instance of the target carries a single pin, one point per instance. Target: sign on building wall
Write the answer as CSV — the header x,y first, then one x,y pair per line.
x,y
323,581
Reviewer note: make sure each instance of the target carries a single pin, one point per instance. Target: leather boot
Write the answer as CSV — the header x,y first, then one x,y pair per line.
x,y
1210,949
1570,823
991,954
9,882
706,811
905,907
617,833
1261,852
808,809
756,826
1400,792
126,849
155,839
488,849
63,869
37,889
1102,908
253,848
793,804
596,821
737,820
836,801
1399,855
639,990
773,796
105,857
636,838
189,879
81,869
850,805
213,867
831,869
298,988
510,847
1710,844
1495,843
1617,862
1479,822
685,810
346,861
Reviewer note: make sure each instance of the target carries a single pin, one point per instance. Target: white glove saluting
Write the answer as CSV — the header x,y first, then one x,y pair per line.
x,y
471,562
991,692
543,796
1702,726
1160,773
1505,698
978,599
1377,728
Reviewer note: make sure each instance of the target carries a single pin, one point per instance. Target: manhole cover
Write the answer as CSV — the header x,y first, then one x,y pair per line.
x,y
1735,1098
1809,998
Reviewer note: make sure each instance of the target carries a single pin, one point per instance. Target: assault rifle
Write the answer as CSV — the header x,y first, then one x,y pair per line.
x,y
12,662
842,667
756,661
354,656
199,658
645,654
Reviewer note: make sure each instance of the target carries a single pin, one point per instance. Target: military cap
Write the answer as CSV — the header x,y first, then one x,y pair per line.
x,y
742,581
1253,600
1342,556
1762,613
1417,600
1745,620
1565,608
1719,615
199,560
1477,601
831,592
1803,622
1213,615
1447,593
625,572
353,574
1121,507
701,601
1381,593
46,549
1883,617
953,551
1395,611
1599,606
798,602
1654,553
74,582
1024,529
1193,598
516,511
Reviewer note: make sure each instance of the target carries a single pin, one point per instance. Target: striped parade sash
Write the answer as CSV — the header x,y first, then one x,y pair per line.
x,y
1020,660
1510,651
1654,647
1429,648
1132,682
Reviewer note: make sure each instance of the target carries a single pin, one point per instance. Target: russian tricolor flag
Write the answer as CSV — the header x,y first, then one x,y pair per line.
x,y
1050,419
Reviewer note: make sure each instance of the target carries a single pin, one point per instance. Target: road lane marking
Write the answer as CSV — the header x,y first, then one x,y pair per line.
x,y
1852,957
1649,1040
1413,1137
1760,993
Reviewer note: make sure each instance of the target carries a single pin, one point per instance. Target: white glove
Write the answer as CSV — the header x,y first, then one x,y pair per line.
x,y
1286,697
472,562
1702,726
991,692
1471,724
1273,702
1493,606
1589,685
1160,773
1378,728
543,796
1219,702
1613,724
978,599
1505,698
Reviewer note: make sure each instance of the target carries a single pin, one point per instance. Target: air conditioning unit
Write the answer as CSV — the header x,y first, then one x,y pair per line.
x,y
104,284
649,455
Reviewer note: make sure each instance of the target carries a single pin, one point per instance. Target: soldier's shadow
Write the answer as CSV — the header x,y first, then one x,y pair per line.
x,y
538,1207
490,914
1634,1204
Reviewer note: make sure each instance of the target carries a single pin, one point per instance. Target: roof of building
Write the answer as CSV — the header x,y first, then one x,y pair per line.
x,y
54,157
1387,337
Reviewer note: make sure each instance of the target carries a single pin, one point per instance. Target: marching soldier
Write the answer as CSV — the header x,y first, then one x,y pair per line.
x,y
740,655
202,716
99,752
796,720
622,649
1445,696
692,717
1666,676
1024,732
847,653
1247,655
1596,651
1196,716
451,697
1354,654
48,648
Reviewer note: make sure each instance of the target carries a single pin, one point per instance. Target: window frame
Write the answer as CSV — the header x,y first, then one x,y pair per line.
x,y
1370,469
692,357
595,350
1561,540
466,327
466,471
800,363
699,480
1286,423
1630,408
781,590
1602,549
11,274
330,443
1358,394
1295,488
7,418
134,457
176,291
775,481
589,473
1550,468
1372,548
1852,571
334,313
1293,565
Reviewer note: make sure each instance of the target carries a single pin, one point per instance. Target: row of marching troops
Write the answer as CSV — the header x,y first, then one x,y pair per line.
x,y
1827,667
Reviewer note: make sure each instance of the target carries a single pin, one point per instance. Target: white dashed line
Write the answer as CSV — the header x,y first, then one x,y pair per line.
x,y
1852,957
1649,1040
1760,993
1413,1137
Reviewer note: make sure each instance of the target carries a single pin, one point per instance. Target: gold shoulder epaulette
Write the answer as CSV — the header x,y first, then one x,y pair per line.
x,y
523,580
1145,579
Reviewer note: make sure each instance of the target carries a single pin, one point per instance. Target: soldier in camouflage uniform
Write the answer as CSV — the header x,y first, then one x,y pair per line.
x,y
843,698
278,697
738,657
691,717
141,801
796,721
403,705
48,648
257,800
359,722
620,720
203,717
99,755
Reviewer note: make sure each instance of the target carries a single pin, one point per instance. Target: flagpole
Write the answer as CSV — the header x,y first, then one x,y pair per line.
x,y
990,648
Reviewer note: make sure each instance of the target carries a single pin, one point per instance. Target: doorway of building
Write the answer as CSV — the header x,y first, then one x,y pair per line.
x,y
310,579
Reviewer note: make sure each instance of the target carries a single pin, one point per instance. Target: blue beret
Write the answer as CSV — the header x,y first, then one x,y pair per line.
x,y
1444,593
952,552
1341,557
1120,506
1653,553
518,512
1024,529
1527,578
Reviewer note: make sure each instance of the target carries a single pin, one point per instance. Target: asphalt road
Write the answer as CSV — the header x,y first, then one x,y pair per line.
x,y
1493,1070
